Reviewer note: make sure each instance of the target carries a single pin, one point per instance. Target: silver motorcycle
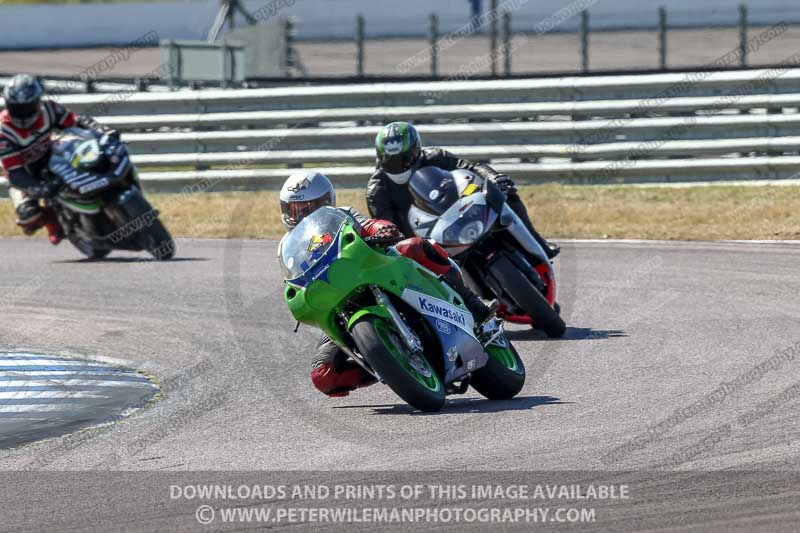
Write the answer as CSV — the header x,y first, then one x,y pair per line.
x,y
470,218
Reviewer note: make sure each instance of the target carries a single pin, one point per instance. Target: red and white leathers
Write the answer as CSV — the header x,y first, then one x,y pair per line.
x,y
24,153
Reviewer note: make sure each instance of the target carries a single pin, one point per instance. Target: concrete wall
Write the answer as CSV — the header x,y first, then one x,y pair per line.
x,y
76,25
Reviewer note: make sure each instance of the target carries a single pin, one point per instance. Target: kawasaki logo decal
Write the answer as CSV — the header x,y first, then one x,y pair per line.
x,y
439,309
446,313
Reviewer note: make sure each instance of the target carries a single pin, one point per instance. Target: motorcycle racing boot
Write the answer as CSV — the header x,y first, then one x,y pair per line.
x,y
550,248
54,230
29,228
515,203
481,309
29,216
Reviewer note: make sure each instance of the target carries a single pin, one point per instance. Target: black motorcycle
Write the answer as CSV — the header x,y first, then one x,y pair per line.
x,y
100,203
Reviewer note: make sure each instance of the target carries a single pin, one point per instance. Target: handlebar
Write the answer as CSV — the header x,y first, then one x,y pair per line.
x,y
375,240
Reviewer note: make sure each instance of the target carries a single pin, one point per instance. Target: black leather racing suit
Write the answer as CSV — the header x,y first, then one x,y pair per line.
x,y
389,201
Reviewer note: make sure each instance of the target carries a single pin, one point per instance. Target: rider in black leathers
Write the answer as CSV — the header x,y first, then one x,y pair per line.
x,y
399,154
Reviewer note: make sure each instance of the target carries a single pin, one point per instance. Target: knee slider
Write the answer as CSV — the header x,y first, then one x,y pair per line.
x,y
28,212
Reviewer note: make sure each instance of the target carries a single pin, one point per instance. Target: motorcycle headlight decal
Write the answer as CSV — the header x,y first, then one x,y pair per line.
x,y
87,154
471,232
470,225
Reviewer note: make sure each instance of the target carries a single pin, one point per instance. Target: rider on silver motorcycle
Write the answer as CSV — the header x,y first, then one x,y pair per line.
x,y
399,154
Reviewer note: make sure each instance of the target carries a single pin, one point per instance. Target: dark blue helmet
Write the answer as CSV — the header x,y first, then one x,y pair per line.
x,y
23,98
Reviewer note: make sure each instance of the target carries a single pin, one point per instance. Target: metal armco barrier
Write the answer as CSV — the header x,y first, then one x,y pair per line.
x,y
654,87
694,126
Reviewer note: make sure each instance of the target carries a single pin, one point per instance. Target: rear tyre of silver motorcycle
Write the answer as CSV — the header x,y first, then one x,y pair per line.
x,y
383,349
528,297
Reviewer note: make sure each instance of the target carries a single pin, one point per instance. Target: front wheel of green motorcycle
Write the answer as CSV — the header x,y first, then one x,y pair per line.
x,y
158,241
409,375
86,247
503,375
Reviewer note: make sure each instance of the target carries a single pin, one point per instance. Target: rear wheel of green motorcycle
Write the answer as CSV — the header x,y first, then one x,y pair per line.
x,y
410,376
503,375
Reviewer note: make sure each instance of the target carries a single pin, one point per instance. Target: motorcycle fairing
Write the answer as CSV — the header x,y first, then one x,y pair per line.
x,y
83,182
454,327
421,221
79,205
350,264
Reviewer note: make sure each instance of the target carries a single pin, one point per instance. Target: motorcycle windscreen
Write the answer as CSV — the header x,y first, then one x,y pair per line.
x,y
434,190
309,241
470,225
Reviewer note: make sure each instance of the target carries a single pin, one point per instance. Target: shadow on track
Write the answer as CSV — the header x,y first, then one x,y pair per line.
x,y
572,334
126,259
463,406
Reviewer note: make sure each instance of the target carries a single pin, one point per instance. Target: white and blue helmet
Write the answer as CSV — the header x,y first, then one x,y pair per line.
x,y
302,193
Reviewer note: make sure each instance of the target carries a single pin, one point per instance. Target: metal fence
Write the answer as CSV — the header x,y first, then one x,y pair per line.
x,y
694,126
502,31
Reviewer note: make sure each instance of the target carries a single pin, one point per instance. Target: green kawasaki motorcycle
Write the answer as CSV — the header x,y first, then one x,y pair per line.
x,y
392,316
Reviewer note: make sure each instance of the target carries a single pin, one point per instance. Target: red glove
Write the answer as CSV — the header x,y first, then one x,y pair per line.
x,y
380,228
388,233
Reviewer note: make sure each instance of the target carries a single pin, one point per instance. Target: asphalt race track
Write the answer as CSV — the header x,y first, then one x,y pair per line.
x,y
678,357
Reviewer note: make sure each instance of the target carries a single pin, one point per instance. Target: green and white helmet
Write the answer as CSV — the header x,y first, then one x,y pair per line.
x,y
398,149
